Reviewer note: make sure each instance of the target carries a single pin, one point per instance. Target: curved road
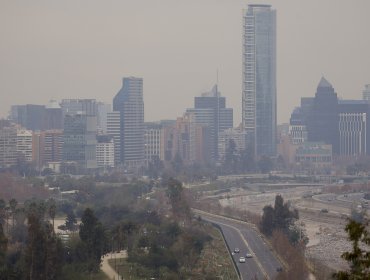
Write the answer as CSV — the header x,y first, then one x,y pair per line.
x,y
263,265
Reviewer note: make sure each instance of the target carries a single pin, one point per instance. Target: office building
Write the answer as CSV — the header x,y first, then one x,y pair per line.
x,y
47,147
105,151
366,93
54,116
31,117
354,127
79,140
322,123
129,102
114,129
152,142
24,145
259,78
210,111
102,112
8,144
88,107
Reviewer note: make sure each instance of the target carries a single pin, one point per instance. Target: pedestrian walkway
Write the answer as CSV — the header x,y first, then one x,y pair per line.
x,y
107,269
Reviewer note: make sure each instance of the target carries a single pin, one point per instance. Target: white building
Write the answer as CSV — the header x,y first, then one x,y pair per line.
x,y
114,129
8,144
152,142
105,151
24,144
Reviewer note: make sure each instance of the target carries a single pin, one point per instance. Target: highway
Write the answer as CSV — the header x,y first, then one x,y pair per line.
x,y
240,235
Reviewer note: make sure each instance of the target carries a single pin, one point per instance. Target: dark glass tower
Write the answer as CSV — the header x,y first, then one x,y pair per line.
x,y
129,102
324,118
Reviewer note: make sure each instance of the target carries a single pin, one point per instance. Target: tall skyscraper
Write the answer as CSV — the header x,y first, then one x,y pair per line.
x,y
259,78
129,102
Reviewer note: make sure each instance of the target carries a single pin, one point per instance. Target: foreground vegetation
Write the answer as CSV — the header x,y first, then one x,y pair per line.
x,y
156,228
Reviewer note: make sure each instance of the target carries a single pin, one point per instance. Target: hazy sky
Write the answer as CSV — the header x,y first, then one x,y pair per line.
x,y
82,49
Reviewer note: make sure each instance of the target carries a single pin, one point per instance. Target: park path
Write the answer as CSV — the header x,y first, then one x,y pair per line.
x,y
107,269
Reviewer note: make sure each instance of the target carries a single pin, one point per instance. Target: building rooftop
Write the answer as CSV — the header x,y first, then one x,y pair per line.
x,y
324,83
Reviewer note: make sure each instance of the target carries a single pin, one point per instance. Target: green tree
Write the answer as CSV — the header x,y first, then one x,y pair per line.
x,y
71,221
358,258
93,238
2,211
43,255
280,217
13,206
3,249
52,210
265,164
179,205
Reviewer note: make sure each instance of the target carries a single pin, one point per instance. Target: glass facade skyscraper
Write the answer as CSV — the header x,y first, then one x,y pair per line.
x,y
259,78
129,102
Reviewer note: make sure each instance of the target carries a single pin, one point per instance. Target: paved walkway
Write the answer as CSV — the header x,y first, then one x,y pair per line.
x,y
107,269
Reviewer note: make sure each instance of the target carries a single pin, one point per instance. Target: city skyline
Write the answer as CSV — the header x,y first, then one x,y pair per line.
x,y
64,50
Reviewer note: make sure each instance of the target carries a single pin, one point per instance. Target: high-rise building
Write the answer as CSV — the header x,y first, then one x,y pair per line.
x,y
322,124
259,78
32,117
129,102
152,142
8,144
79,140
24,144
54,116
114,129
354,127
105,151
102,112
210,111
366,93
343,124
47,147
79,106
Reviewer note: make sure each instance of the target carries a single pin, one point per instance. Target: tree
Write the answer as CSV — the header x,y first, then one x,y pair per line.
x,y
71,221
13,206
280,217
359,258
3,249
265,164
2,211
43,255
180,208
267,222
52,210
92,236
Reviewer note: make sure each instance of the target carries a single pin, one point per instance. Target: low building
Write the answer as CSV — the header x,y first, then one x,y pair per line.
x,y
314,156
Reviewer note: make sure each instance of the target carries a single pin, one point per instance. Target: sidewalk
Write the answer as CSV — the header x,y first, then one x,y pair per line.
x,y
107,269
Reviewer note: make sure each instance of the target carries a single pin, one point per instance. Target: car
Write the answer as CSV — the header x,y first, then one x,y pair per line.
x,y
236,250
248,255
279,269
242,260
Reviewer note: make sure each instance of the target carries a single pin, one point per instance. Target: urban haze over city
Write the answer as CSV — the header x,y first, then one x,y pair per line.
x,y
184,139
